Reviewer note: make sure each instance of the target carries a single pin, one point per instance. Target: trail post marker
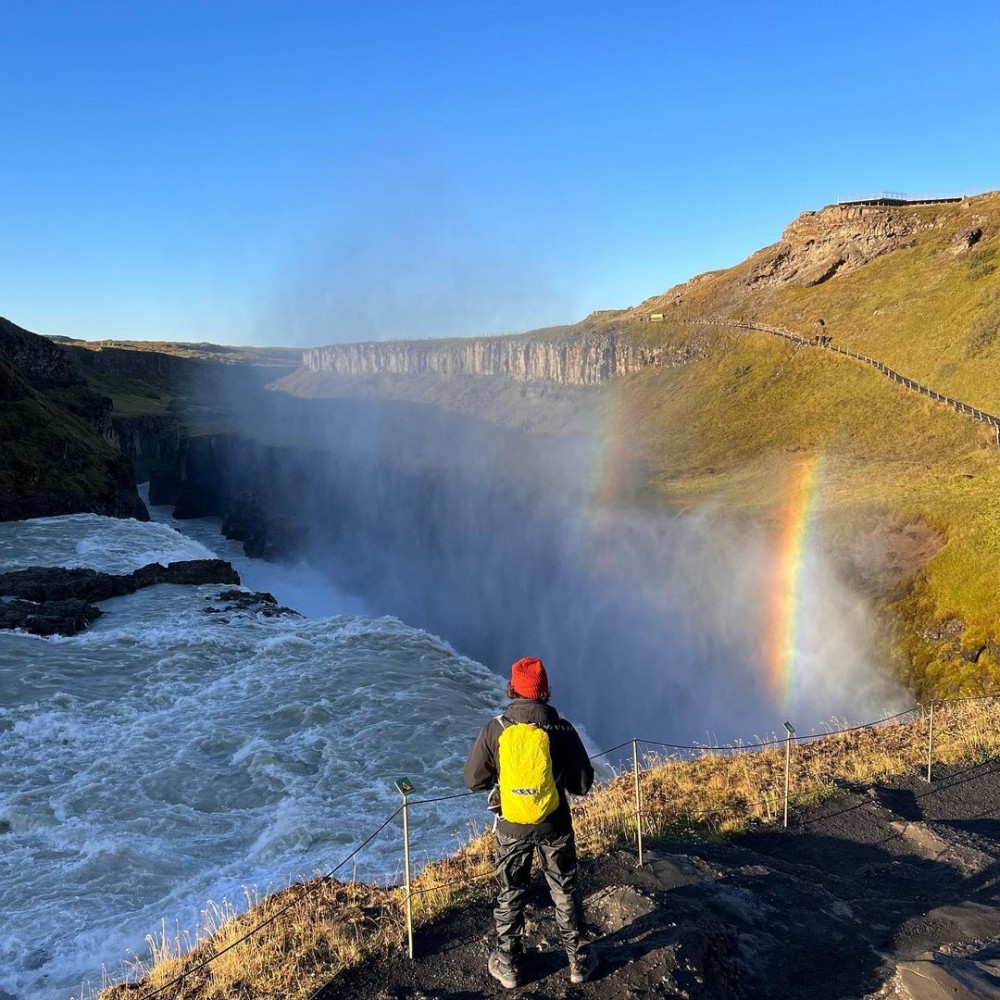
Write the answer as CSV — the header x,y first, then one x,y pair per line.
x,y
789,733
930,740
638,797
404,786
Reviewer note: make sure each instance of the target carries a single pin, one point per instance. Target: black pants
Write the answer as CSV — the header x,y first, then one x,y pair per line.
x,y
557,859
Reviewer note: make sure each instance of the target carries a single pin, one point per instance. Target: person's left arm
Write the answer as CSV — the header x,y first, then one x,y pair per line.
x,y
579,772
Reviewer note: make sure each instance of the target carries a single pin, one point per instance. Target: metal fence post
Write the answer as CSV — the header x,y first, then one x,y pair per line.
x,y
930,741
789,733
638,797
405,786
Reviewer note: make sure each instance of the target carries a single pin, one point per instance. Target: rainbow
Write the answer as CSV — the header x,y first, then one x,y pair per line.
x,y
783,625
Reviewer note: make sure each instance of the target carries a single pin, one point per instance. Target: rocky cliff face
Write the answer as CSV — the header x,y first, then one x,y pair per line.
x,y
38,361
160,394
150,442
841,238
55,456
579,360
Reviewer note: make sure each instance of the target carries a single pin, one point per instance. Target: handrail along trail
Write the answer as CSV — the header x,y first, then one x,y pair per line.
x,y
881,366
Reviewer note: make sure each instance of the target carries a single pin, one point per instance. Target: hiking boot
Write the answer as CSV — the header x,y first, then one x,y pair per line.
x,y
503,970
582,967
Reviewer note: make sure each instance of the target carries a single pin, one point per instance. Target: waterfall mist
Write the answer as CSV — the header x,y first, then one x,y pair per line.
x,y
650,623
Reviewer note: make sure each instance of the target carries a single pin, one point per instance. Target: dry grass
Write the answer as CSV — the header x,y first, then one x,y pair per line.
x,y
734,790
334,925
329,926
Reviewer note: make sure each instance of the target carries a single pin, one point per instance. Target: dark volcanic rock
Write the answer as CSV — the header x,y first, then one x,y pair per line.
x,y
261,603
54,503
246,520
49,617
281,537
196,499
888,893
41,583
193,572
163,487
259,491
264,535
150,442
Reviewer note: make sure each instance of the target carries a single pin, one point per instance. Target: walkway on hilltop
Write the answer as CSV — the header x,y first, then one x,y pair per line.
x,y
824,342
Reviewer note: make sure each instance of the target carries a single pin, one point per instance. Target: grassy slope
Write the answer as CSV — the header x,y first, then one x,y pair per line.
x,y
190,385
52,460
132,397
726,428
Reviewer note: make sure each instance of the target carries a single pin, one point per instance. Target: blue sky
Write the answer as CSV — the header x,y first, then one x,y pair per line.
x,y
302,173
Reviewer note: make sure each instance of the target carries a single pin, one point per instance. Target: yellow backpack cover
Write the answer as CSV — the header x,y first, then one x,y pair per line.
x,y
528,790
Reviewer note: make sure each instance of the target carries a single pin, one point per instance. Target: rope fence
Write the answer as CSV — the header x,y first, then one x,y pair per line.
x,y
823,341
179,980
405,789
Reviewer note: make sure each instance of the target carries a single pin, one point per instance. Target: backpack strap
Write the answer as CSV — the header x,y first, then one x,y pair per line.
x,y
546,727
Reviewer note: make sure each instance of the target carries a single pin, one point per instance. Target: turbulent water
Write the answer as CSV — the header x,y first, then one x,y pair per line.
x,y
169,756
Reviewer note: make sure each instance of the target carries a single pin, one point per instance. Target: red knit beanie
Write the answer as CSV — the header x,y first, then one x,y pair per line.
x,y
528,678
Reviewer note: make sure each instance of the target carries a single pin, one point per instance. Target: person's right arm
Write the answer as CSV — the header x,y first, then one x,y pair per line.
x,y
480,772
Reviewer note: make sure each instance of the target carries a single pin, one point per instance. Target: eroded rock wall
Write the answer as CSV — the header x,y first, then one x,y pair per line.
x,y
581,360
839,239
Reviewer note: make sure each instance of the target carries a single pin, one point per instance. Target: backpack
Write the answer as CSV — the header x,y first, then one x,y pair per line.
x,y
528,790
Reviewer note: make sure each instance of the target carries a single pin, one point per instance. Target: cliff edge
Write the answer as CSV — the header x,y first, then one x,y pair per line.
x,y
56,457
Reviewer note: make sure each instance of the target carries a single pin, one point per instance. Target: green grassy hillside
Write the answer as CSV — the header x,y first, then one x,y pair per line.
x,y
729,427
53,458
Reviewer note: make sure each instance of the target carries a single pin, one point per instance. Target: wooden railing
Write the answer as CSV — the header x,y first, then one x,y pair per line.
x,y
823,341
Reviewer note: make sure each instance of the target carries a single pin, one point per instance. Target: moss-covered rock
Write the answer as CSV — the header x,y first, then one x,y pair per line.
x,y
54,458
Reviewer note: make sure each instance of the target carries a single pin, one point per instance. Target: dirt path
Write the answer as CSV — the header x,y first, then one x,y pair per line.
x,y
883,892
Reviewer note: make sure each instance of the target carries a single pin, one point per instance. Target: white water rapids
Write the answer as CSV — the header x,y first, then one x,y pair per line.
x,y
167,756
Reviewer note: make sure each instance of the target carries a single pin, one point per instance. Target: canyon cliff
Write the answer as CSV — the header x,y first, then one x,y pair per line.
x,y
56,456
546,381
567,356
839,239
163,392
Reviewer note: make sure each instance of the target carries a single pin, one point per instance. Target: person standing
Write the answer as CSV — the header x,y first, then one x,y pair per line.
x,y
533,758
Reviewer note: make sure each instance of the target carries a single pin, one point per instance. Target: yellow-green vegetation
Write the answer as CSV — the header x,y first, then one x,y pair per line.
x,y
330,925
52,459
132,397
731,427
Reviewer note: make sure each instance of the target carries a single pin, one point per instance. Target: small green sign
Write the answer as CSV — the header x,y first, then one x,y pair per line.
x,y
404,785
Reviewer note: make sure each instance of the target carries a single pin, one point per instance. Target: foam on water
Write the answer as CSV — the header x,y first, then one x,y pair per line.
x,y
169,756
112,545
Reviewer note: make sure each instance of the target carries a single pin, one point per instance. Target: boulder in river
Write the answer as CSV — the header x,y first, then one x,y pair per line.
x,y
48,600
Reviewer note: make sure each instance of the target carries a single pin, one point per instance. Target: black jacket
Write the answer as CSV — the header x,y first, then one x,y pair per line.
x,y
571,767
